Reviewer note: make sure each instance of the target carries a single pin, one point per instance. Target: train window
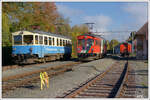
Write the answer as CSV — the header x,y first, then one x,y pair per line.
x,y
50,41
57,42
90,42
45,41
17,40
60,42
36,39
53,41
41,39
81,42
28,39
64,43
96,42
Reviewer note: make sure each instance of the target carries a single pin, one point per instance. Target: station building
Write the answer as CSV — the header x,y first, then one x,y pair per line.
x,y
141,42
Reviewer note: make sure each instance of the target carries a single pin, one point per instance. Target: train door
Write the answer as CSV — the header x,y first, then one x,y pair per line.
x,y
41,42
45,46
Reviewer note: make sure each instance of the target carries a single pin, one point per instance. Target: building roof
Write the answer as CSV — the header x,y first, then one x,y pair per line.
x,y
143,31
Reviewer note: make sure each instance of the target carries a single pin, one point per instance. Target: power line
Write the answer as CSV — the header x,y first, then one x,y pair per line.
x,y
114,31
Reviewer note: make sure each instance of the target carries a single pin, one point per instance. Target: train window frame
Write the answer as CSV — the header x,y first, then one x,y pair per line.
x,y
53,41
57,41
41,40
64,43
81,42
61,44
20,42
31,41
97,42
45,41
36,42
90,41
50,41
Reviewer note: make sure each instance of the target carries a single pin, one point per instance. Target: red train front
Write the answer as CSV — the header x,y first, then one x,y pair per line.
x,y
125,49
91,46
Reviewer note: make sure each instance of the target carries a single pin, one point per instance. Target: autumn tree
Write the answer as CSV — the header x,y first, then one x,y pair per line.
x,y
108,45
6,36
24,15
62,26
76,31
113,43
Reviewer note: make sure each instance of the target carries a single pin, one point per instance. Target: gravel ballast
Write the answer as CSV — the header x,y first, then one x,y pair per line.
x,y
80,73
141,77
63,82
30,68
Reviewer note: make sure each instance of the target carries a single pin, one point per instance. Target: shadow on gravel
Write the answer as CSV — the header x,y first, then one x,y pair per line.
x,y
142,71
143,87
30,87
116,57
118,84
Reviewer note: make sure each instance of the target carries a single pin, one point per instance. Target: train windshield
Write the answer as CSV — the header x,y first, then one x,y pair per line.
x,y
90,42
28,39
17,40
81,42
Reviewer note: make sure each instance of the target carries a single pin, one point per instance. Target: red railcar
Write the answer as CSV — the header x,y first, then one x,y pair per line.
x,y
91,46
125,49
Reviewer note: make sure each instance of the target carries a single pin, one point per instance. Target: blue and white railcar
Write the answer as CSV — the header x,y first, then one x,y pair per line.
x,y
30,45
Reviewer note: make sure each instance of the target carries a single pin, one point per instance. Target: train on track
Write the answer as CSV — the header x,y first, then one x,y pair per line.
x,y
91,46
125,49
39,46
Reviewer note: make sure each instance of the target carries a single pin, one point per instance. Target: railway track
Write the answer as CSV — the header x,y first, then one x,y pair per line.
x,y
11,82
9,67
110,84
128,88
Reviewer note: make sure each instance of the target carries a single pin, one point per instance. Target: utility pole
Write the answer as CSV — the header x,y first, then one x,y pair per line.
x,y
113,46
90,26
132,38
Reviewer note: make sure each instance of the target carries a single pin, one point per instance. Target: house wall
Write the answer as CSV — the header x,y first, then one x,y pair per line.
x,y
141,40
142,48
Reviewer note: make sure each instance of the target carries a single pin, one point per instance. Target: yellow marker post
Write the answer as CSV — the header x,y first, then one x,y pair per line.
x,y
44,79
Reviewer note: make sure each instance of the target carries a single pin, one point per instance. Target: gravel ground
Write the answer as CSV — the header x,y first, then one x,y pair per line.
x,y
61,83
141,72
68,80
32,68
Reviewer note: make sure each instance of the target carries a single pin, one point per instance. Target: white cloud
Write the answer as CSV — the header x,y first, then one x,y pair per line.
x,y
102,23
67,11
138,12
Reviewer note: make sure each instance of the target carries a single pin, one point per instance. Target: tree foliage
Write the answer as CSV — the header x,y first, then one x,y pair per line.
x,y
108,45
36,15
6,36
113,43
24,15
76,31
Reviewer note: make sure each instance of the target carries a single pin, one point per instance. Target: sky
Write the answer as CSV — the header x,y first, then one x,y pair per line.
x,y
107,16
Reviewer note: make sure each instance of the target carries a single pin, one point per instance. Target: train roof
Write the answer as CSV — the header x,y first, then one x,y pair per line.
x,y
93,35
46,33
